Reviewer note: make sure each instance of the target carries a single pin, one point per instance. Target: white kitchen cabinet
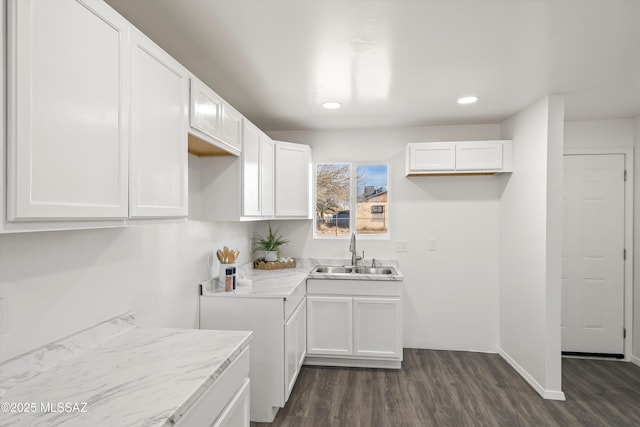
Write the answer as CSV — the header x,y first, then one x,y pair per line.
x,y
267,176
159,126
226,401
330,325
459,157
215,124
295,346
354,323
68,111
251,199
292,180
231,128
278,345
376,326
237,413
439,157
240,189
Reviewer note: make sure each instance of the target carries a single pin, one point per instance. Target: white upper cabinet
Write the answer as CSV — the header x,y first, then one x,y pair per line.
x,y
485,156
158,160
206,109
267,175
231,128
251,199
432,157
215,124
292,180
461,157
68,110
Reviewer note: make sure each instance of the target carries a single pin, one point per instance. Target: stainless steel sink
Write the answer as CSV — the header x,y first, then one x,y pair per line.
x,y
374,270
334,269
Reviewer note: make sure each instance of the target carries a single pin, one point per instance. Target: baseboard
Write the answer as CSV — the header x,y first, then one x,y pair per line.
x,y
352,363
545,394
450,348
635,360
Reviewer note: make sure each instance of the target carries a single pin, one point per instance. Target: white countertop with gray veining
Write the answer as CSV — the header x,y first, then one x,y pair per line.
x,y
282,283
141,376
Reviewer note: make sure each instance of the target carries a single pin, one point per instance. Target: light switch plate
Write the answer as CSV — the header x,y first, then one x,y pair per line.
x,y
402,246
433,245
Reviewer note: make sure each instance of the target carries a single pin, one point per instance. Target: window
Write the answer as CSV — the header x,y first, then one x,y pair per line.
x,y
341,186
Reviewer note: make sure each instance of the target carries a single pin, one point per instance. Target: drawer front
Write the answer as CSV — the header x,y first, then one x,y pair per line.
x,y
354,287
211,404
293,301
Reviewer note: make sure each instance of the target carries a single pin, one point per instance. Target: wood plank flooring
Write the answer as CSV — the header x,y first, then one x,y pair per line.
x,y
448,388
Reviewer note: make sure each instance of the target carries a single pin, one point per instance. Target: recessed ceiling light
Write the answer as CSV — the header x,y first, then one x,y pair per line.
x,y
331,105
467,100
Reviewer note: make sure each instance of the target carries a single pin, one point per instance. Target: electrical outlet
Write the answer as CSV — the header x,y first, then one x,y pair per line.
x,y
433,244
402,246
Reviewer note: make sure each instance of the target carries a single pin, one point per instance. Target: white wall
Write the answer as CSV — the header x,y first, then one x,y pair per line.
x,y
599,133
636,251
57,283
451,295
530,247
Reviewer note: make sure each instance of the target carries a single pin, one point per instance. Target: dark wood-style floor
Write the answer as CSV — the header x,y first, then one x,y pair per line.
x,y
448,388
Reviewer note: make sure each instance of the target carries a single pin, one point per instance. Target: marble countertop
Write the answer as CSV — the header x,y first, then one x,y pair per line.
x,y
282,283
141,376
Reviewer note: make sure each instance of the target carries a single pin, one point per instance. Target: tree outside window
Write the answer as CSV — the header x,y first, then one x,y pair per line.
x,y
339,186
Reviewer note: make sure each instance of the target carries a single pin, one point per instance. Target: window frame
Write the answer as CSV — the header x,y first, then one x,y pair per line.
x,y
353,200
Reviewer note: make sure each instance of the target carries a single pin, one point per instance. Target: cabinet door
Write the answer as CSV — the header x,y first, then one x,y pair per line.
x,y
295,345
432,157
267,175
68,99
236,414
301,350
330,326
479,156
377,326
205,109
231,129
250,170
158,162
293,179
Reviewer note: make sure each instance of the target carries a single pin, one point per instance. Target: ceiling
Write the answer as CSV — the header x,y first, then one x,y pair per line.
x,y
402,62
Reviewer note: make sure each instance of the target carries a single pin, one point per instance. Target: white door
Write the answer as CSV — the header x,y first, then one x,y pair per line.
x,y
68,110
329,326
376,327
250,170
159,127
593,244
293,179
267,175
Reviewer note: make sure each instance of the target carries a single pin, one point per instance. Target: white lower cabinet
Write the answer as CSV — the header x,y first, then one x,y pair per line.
x,y
351,323
226,401
278,344
237,412
295,346
330,330
376,326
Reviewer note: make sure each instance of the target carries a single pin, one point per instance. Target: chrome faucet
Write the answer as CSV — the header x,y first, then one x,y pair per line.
x,y
352,248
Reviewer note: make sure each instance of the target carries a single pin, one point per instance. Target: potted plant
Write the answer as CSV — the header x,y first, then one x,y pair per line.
x,y
271,244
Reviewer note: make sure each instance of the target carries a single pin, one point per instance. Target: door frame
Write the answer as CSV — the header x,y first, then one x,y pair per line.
x,y
628,233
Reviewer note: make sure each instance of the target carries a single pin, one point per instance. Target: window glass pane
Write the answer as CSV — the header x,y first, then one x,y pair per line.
x,y
371,209
333,183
